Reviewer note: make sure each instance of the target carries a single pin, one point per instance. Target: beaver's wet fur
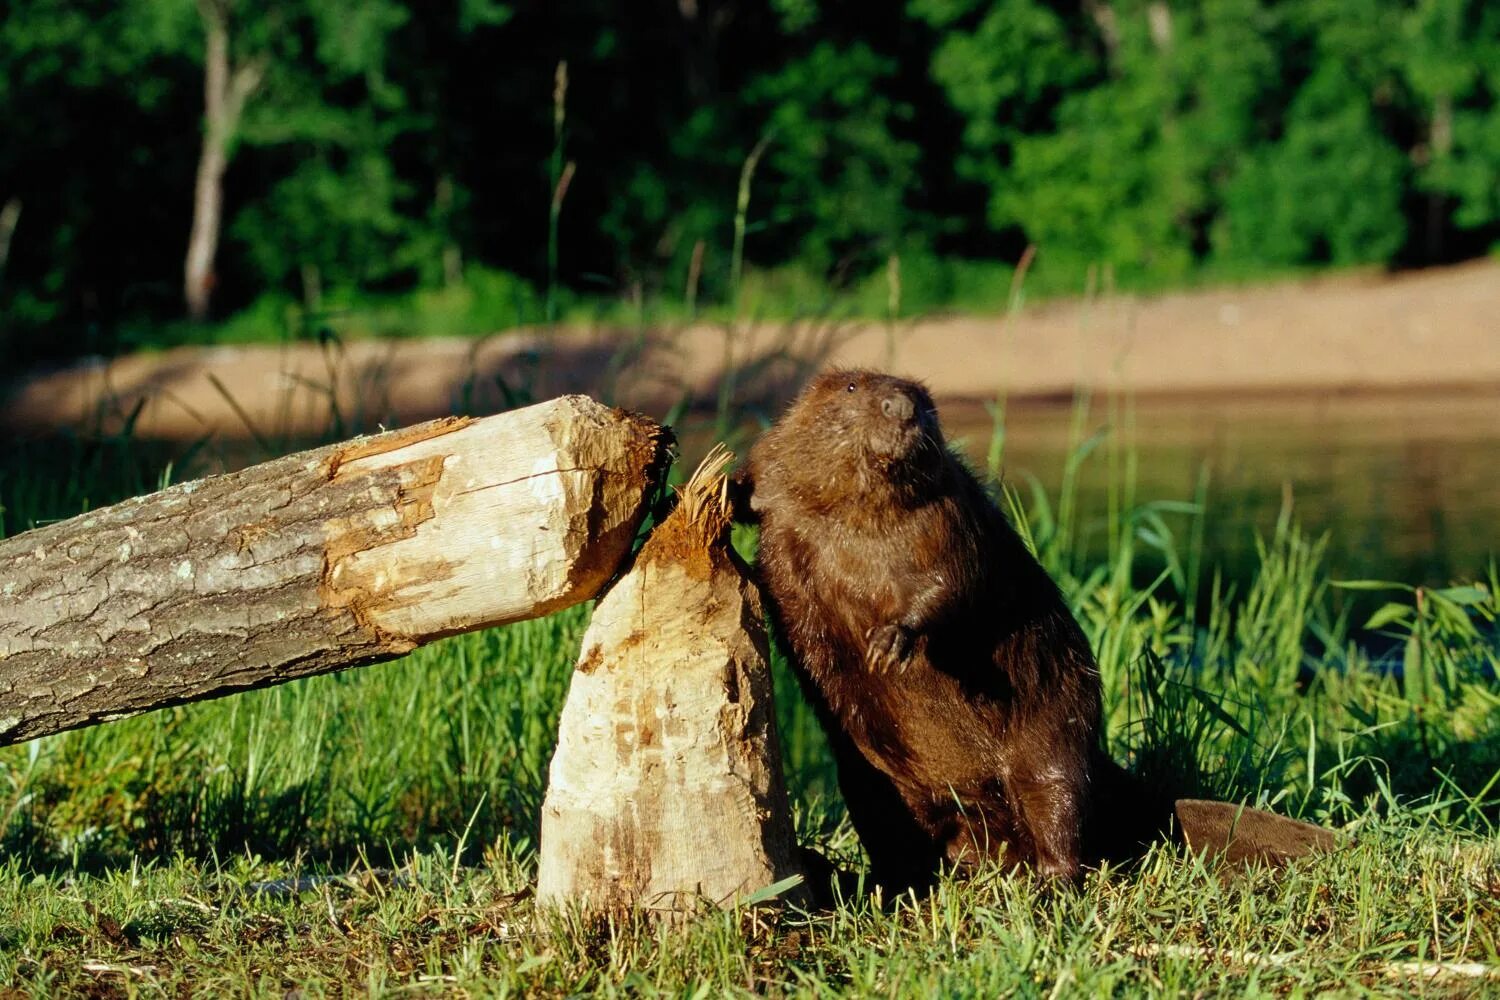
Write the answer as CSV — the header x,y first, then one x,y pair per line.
x,y
960,696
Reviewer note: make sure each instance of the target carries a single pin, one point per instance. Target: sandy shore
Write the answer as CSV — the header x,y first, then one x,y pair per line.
x,y
1420,330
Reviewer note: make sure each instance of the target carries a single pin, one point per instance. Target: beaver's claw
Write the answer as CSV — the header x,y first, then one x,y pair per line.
x,y
887,647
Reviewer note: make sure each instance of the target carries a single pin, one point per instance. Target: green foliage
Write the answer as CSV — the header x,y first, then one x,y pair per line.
x,y
840,175
398,147
1452,64
1330,191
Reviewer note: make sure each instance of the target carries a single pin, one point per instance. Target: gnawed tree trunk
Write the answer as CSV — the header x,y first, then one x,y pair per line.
x,y
341,556
666,786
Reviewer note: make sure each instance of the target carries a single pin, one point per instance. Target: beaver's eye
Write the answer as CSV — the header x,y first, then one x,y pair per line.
x,y
851,386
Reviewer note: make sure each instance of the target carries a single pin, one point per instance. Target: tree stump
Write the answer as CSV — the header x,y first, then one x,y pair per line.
x,y
327,559
666,787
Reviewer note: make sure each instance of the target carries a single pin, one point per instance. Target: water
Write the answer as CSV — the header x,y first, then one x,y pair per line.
x,y
1407,485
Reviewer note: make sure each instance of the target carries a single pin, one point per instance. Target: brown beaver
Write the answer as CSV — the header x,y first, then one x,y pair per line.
x,y
960,697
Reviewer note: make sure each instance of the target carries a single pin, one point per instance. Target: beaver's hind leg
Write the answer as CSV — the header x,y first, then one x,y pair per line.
x,y
903,855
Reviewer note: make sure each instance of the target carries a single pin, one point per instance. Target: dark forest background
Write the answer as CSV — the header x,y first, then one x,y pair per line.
x,y
912,150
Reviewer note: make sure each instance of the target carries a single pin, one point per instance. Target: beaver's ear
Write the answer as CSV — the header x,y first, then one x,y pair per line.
x,y
744,504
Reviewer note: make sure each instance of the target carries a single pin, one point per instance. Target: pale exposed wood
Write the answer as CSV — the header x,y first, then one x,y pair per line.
x,y
330,558
665,790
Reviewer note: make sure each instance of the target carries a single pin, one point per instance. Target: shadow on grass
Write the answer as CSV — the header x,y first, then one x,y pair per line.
x,y
256,403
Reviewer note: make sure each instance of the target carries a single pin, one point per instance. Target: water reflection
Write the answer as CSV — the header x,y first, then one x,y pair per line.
x,y
1406,484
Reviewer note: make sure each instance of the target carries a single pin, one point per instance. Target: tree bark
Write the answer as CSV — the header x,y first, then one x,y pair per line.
x,y
1159,23
1440,147
225,92
666,789
10,216
327,559
1103,16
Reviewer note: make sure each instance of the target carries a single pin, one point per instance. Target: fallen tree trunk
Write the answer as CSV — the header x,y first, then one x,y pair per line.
x,y
665,791
327,559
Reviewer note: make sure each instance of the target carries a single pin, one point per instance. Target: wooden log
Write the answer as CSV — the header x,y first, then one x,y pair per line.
x,y
345,555
666,790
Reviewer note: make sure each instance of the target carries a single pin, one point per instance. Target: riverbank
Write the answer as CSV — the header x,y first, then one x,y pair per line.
x,y
1427,330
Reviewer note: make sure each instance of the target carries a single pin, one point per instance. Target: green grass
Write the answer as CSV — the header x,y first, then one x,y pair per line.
x,y
131,848
1352,923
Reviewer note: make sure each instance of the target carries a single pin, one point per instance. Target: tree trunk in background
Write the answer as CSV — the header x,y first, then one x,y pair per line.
x,y
225,91
328,559
1159,21
445,210
312,288
1440,147
1103,16
666,791
10,217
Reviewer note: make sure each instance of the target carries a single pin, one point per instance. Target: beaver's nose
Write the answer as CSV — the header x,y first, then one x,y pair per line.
x,y
898,406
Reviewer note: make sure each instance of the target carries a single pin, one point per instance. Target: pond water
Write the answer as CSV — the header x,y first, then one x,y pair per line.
x,y
1407,485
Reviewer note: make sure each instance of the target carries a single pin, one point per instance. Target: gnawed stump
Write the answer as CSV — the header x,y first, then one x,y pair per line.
x,y
666,790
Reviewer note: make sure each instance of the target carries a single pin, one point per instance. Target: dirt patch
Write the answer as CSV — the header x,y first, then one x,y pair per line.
x,y
1425,329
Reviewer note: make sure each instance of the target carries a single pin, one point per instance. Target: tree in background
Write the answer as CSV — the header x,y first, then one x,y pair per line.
x,y
95,97
338,151
1006,67
326,115
1328,192
833,189
1327,185
228,82
1451,61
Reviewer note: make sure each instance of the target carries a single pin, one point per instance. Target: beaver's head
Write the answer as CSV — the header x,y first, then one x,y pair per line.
x,y
851,433
873,421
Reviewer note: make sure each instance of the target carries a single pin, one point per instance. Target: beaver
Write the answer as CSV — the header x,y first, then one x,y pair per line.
x,y
959,695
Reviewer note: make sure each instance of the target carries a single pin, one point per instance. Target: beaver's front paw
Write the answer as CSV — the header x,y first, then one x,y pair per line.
x,y
887,647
